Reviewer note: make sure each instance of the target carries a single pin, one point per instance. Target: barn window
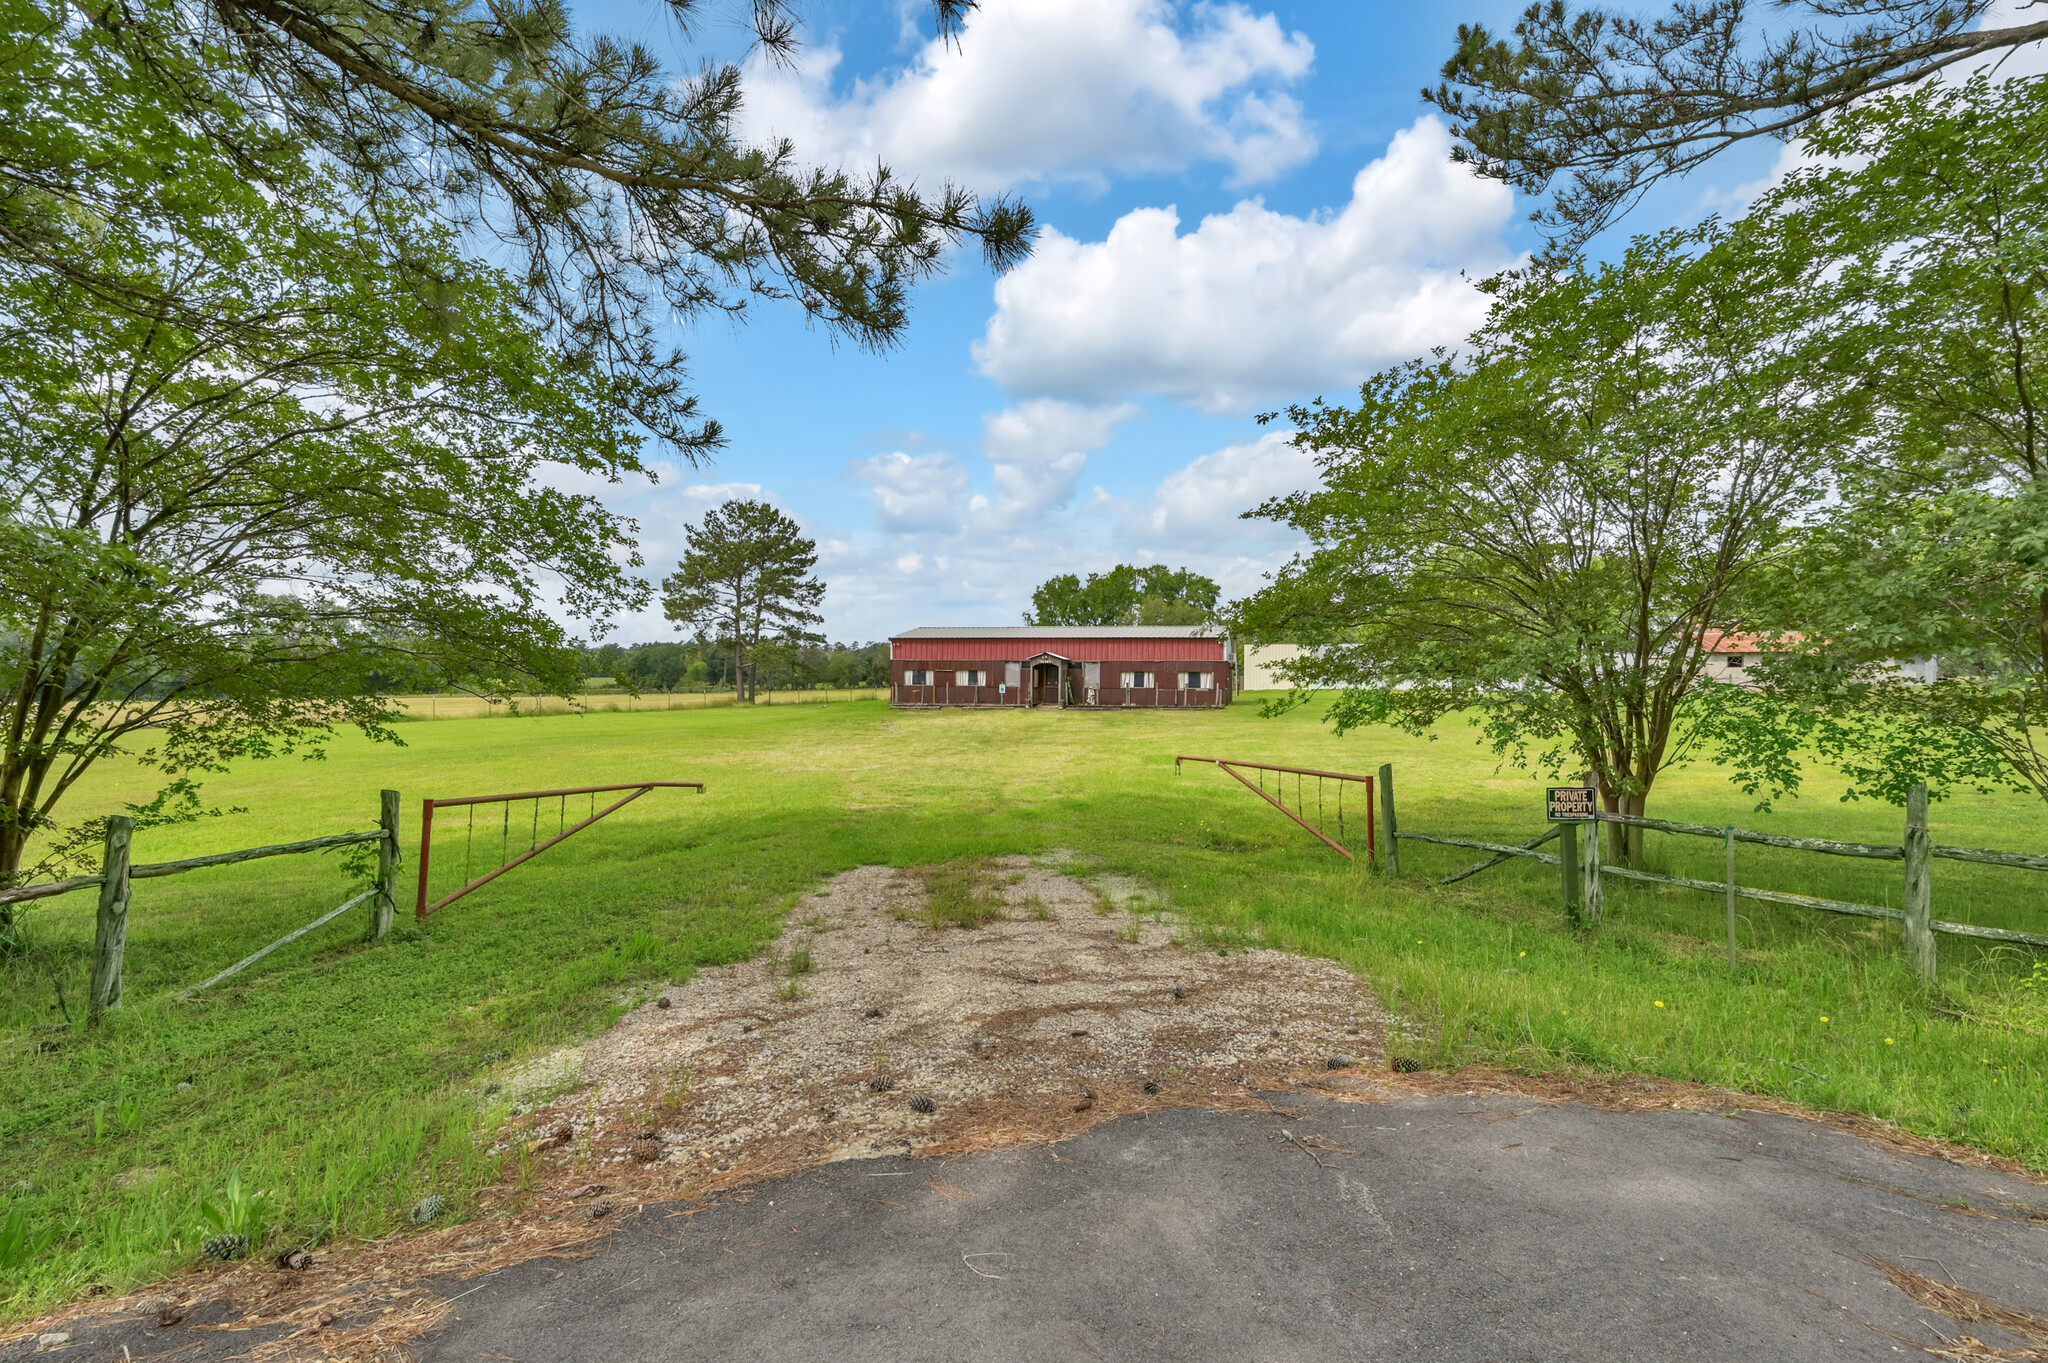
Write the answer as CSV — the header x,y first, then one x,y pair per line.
x,y
918,676
1735,660
1137,680
970,676
1194,681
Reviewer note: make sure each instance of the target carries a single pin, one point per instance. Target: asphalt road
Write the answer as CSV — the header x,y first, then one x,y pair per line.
x,y
1429,1228
1439,1228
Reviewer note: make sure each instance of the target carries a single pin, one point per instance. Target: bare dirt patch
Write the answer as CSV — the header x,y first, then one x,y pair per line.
x,y
885,1023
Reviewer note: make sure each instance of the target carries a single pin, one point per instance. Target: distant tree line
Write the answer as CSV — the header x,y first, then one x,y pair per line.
x,y
708,665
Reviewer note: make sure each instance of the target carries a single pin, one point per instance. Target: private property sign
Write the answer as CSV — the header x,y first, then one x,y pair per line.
x,y
1572,804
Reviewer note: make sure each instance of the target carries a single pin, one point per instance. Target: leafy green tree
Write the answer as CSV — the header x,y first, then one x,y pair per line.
x,y
217,537
1614,102
622,183
744,579
1544,528
658,667
106,153
1925,242
1125,595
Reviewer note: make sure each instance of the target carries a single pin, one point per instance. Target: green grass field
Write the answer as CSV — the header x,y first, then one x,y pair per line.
x,y
346,1079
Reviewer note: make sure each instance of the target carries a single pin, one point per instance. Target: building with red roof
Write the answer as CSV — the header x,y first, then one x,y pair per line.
x,y
1175,667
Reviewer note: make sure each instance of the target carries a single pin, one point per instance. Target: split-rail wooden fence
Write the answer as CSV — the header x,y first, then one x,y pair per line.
x,y
118,872
1584,873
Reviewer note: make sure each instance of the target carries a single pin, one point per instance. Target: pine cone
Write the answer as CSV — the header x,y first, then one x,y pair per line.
x,y
225,1246
428,1208
647,1149
923,1104
881,1083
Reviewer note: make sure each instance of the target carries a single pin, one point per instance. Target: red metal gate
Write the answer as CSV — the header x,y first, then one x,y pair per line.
x,y
534,847
1278,800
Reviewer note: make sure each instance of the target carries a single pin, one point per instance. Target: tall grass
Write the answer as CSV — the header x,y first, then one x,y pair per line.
x,y
347,1080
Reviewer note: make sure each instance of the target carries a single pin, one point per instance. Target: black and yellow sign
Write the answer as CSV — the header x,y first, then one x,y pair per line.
x,y
1573,804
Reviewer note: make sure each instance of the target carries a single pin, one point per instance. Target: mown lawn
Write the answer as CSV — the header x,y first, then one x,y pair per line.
x,y
346,1078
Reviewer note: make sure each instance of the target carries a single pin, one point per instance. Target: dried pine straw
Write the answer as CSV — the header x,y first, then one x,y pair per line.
x,y
1964,1307
1960,1304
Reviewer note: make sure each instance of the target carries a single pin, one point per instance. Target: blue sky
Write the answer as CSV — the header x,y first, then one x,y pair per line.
x,y
1244,205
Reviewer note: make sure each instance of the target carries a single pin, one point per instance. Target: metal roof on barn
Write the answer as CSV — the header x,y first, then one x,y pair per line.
x,y
1154,644
1062,632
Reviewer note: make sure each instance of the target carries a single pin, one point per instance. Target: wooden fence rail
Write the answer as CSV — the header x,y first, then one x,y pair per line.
x,y
1876,850
1916,851
2023,861
118,873
170,868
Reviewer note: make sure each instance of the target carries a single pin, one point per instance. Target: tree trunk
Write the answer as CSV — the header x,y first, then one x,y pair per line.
x,y
13,845
1632,838
13,842
1624,842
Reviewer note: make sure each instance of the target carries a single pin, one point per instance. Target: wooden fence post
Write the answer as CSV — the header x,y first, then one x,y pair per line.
x,y
1596,889
1728,837
110,933
1568,863
387,866
1919,886
1393,859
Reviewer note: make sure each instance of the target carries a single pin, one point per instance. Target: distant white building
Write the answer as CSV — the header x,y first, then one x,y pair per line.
x,y
1261,664
1733,658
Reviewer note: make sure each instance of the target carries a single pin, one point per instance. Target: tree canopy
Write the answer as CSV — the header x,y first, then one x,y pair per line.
x,y
745,580
1544,527
219,534
1613,102
1125,595
1924,241
623,184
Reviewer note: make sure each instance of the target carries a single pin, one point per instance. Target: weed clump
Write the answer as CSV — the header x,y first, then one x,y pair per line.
x,y
959,895
238,1218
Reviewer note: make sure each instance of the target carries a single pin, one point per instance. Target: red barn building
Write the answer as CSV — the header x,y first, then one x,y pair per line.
x,y
1177,667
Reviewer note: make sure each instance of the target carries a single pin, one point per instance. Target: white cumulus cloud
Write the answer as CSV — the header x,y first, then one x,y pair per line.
x,y
1038,450
1203,504
1058,89
980,569
1254,304
915,493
